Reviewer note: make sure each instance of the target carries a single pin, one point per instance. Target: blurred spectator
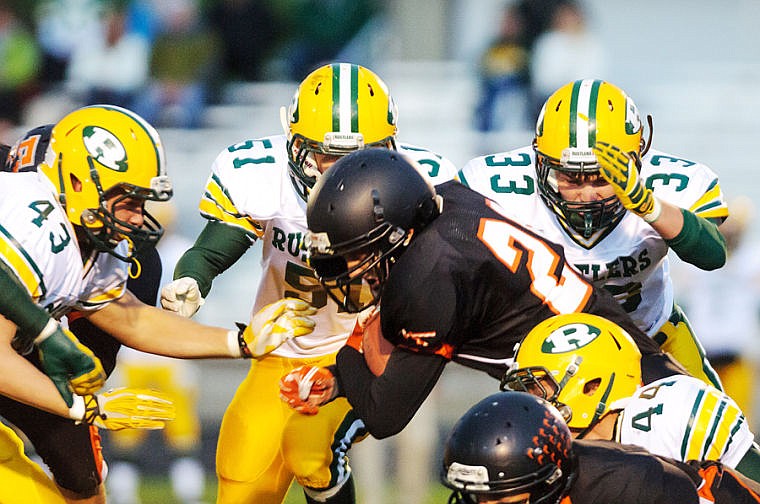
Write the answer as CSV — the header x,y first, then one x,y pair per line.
x,y
247,29
503,70
19,69
724,306
314,31
567,51
61,25
113,68
182,68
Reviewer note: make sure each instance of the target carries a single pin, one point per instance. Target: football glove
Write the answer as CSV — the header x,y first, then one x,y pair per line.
x,y
182,296
70,365
621,170
275,324
124,408
306,388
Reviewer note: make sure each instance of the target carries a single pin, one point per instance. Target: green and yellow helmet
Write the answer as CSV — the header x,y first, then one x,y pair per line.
x,y
581,363
337,109
99,151
571,121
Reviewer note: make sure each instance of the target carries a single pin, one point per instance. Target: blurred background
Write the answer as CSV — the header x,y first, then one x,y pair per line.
x,y
467,76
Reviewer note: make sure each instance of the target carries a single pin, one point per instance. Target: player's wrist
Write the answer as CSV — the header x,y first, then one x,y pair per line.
x,y
652,216
77,409
236,344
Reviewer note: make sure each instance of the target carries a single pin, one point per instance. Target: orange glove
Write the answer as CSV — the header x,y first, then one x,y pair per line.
x,y
307,388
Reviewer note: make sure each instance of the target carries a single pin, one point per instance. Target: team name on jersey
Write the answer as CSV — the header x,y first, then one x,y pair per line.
x,y
289,242
621,267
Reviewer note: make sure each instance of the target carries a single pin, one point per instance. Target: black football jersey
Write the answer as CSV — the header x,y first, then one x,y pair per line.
x,y
469,287
473,283
625,474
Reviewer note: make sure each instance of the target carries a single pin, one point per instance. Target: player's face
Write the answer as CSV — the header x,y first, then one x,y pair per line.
x,y
325,161
129,210
582,187
523,498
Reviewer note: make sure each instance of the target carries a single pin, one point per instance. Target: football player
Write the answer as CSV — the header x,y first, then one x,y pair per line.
x,y
513,447
591,183
590,369
70,231
455,280
258,190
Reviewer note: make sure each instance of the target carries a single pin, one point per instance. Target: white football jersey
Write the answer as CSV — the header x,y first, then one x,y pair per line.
x,y
632,260
38,244
682,417
250,187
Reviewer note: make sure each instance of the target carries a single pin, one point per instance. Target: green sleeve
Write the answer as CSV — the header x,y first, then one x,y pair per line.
x,y
749,465
18,306
699,243
217,248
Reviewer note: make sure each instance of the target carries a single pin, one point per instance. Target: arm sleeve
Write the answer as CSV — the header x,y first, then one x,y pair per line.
x,y
386,403
18,306
699,243
217,248
749,465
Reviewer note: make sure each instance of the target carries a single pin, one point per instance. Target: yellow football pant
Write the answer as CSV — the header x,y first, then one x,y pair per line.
x,y
677,338
263,443
738,379
21,480
184,432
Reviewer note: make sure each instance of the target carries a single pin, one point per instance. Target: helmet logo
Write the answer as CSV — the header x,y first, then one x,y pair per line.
x,y
569,337
105,148
632,117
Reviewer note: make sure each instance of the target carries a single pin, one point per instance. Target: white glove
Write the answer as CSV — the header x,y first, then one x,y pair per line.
x,y
124,408
182,296
275,324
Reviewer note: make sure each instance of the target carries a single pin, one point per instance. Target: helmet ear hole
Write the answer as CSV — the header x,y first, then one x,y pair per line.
x,y
591,386
76,184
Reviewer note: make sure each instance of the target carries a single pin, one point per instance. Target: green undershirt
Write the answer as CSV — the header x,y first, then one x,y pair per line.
x,y
699,243
217,248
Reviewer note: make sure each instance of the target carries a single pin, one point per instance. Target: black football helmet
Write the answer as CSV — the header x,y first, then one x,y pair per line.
x,y
361,215
510,443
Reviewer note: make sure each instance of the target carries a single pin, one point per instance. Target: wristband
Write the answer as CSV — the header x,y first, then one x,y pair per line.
x,y
652,216
77,410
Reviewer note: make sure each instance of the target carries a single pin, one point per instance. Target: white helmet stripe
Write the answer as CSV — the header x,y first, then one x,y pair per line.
x,y
584,114
345,102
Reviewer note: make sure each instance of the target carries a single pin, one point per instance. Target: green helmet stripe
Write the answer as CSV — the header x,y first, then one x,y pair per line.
x,y
573,140
593,97
345,87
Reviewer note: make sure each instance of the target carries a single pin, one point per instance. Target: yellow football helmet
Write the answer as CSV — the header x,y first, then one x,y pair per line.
x,y
99,151
571,121
581,363
337,109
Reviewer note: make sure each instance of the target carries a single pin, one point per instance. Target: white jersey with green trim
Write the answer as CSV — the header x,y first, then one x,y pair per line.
x,y
250,187
631,261
38,244
682,417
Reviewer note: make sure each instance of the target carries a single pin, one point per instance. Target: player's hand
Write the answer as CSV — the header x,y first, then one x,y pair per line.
x,y
182,296
124,408
621,170
70,365
307,388
275,324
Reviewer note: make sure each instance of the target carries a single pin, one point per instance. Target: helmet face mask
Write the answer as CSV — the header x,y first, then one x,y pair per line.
x,y
103,158
353,273
509,445
583,364
337,109
362,215
571,121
